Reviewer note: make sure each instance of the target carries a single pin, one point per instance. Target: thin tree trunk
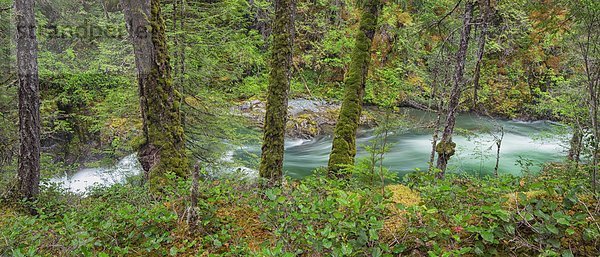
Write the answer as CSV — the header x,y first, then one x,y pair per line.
x,y
343,149
192,215
592,72
446,148
178,17
29,101
575,146
498,145
480,51
271,163
162,149
593,109
436,132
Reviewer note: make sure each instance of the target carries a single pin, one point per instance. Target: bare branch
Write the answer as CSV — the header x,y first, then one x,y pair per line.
x,y
438,22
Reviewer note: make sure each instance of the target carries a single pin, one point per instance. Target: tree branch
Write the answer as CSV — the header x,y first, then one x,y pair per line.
x,y
439,22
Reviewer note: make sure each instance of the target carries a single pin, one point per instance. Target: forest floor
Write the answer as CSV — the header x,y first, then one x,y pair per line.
x,y
553,213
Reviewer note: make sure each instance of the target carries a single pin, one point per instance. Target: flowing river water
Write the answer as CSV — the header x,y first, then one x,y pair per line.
x,y
524,145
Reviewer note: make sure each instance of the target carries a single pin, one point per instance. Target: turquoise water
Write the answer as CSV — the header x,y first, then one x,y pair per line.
x,y
533,142
528,142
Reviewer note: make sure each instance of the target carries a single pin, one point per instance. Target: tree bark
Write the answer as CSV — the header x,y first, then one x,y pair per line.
x,y
446,148
343,150
590,53
162,148
480,51
498,145
575,145
435,137
29,101
271,163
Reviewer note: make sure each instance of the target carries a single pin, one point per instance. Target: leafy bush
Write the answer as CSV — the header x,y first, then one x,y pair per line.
x,y
322,215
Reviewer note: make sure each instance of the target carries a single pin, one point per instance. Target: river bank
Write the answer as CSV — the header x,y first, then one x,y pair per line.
x,y
307,119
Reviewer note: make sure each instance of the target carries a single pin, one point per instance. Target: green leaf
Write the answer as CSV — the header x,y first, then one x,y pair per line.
x,y
487,236
173,251
281,199
327,243
552,228
528,217
217,243
432,211
563,221
376,252
567,253
373,234
542,215
346,249
271,194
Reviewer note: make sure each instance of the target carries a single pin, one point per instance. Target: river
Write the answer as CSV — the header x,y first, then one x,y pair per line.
x,y
525,144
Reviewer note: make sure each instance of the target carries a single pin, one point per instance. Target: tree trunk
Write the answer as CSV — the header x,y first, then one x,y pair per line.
x,y
498,145
590,53
343,149
162,149
480,51
575,146
446,148
593,109
271,163
435,137
29,101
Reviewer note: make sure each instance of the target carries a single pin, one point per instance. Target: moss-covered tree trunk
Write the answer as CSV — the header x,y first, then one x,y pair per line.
x,y
446,148
162,148
271,162
29,101
343,149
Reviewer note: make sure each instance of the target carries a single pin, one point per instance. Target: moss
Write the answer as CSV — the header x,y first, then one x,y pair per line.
x,y
395,222
446,148
246,224
164,145
344,141
513,199
271,163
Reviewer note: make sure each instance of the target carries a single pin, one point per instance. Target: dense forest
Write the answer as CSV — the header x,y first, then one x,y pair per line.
x,y
299,128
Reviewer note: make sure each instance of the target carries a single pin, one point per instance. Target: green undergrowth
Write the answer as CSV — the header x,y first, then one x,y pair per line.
x,y
550,214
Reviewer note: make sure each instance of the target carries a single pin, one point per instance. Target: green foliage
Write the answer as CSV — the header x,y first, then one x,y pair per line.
x,y
117,221
544,215
322,215
88,109
549,214
370,170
